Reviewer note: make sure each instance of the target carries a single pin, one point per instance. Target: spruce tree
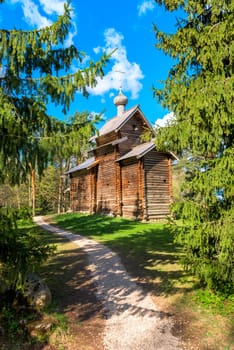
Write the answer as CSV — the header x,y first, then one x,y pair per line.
x,y
34,71
199,90
69,146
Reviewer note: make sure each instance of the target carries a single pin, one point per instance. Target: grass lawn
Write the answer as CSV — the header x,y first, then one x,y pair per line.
x,y
147,250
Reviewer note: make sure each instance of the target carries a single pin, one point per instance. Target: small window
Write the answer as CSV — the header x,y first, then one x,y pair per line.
x,y
134,127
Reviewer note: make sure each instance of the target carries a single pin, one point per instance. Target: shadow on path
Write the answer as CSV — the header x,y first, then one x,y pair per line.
x,y
132,320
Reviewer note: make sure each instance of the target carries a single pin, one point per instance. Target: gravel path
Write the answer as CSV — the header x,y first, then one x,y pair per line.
x,y
133,322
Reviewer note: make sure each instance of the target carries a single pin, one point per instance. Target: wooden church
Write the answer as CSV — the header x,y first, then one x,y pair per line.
x,y
124,176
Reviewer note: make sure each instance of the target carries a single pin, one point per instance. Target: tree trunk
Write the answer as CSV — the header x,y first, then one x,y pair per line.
x,y
29,192
33,190
60,194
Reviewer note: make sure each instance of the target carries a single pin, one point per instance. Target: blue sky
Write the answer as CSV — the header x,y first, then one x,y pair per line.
x,y
105,25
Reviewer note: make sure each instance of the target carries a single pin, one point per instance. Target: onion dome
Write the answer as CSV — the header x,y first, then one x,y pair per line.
x,y
120,101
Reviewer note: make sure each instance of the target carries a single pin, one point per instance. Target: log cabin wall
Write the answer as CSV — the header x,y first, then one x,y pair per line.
x,y
93,189
131,194
141,188
157,186
118,176
103,139
106,181
133,129
80,191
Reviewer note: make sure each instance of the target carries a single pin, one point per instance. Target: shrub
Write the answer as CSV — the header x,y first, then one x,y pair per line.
x,y
20,251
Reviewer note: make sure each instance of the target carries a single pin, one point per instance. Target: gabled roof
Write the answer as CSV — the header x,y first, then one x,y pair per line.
x,y
87,164
117,122
113,143
142,149
139,151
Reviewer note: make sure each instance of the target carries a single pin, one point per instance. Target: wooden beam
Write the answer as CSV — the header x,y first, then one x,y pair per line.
x,y
118,183
141,187
170,180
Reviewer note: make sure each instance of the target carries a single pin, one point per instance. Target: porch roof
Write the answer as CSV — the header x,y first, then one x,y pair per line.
x,y
87,164
138,151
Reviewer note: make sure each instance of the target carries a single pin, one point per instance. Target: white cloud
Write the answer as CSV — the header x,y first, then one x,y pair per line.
x,y
146,5
32,14
34,18
2,71
124,74
69,41
165,120
53,6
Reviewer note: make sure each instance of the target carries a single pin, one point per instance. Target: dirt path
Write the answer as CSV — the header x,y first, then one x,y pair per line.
x,y
133,321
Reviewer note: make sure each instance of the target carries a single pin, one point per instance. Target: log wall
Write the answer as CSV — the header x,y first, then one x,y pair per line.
x,y
80,191
133,130
157,185
106,183
131,193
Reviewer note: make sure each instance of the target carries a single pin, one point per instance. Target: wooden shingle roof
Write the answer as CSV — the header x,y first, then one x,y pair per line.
x,y
117,122
139,151
87,164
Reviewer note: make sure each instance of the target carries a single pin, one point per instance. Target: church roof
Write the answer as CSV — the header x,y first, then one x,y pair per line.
x,y
87,164
142,149
117,122
139,151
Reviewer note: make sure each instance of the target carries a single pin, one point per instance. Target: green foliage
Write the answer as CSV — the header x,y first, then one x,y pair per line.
x,y
25,52
68,145
20,251
218,303
47,192
70,140
34,72
14,196
199,90
8,316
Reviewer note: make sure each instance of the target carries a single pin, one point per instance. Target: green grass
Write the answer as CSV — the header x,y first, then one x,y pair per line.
x,y
14,334
147,249
149,253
